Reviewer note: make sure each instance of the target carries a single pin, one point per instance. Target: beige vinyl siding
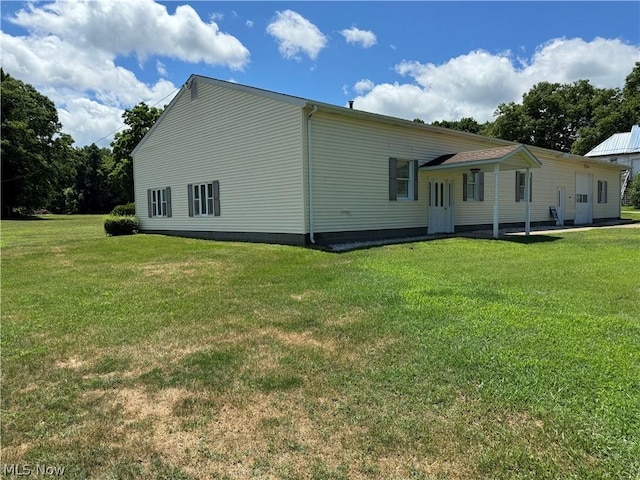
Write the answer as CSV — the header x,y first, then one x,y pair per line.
x,y
554,174
351,172
251,144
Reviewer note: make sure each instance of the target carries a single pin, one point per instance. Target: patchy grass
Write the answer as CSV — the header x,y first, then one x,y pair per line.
x,y
159,357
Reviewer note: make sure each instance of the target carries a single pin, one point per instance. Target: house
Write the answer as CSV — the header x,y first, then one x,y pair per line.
x,y
232,162
624,149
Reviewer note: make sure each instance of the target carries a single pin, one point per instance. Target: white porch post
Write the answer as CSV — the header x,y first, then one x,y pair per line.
x,y
527,203
496,197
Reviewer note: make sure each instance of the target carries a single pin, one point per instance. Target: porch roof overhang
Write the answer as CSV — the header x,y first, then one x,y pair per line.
x,y
509,157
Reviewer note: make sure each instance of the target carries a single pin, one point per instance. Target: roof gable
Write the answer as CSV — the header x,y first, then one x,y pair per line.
x,y
191,85
509,157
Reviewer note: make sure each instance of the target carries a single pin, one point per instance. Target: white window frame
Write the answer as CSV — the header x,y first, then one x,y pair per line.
x,y
158,202
203,199
473,185
409,180
522,186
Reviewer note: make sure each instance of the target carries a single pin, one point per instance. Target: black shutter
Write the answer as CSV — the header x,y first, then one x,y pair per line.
x,y
464,187
517,186
530,187
415,180
481,186
149,203
216,198
190,198
168,189
393,179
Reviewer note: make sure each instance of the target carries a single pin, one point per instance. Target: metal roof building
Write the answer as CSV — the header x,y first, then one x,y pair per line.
x,y
618,144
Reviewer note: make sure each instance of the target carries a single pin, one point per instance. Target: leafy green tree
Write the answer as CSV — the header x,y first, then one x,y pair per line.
x,y
34,149
550,116
635,191
139,120
614,111
466,124
511,124
93,193
569,117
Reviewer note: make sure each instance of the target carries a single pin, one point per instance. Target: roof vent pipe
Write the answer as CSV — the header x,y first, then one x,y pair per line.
x,y
351,104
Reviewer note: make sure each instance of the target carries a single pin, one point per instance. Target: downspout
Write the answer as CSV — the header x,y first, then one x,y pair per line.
x,y
310,174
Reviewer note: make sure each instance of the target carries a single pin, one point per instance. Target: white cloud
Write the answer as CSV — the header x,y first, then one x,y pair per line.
x,y
366,38
142,27
363,85
90,121
161,68
71,50
249,23
295,35
473,85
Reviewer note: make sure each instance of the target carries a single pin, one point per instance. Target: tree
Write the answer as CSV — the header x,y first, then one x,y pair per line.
x,y
569,117
466,124
33,146
550,116
614,111
91,191
635,191
139,119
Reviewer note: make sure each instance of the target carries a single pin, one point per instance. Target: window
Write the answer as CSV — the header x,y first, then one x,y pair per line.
x,y
602,191
159,202
204,199
582,198
521,186
403,179
473,186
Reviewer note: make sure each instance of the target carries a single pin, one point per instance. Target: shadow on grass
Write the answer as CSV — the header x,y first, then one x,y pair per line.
x,y
346,248
530,239
26,217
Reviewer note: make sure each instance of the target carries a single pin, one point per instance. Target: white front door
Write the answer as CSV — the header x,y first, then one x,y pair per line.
x,y
584,199
440,206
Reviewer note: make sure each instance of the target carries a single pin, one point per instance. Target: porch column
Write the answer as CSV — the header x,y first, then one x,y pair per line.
x,y
496,197
527,203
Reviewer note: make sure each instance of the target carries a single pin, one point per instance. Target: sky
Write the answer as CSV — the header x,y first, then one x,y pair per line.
x,y
417,59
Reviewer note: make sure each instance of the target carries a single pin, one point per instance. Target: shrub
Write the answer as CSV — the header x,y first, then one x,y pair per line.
x,y
121,225
635,191
128,209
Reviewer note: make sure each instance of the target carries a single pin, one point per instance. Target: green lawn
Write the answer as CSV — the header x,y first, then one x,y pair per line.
x,y
160,357
631,213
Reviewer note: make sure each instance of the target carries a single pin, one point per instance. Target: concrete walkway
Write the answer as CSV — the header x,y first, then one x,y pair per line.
x,y
552,230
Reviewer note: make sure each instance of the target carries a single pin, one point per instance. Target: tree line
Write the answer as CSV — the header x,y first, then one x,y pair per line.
x,y
41,170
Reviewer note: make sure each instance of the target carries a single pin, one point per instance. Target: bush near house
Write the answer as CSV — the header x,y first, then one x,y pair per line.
x,y
121,225
128,209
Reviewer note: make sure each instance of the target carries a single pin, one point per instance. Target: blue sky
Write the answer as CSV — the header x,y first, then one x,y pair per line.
x,y
433,60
